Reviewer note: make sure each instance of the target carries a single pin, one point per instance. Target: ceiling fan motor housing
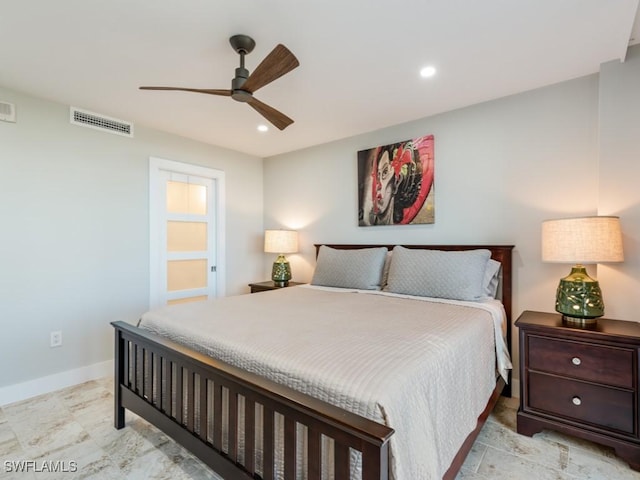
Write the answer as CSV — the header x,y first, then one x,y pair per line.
x,y
236,85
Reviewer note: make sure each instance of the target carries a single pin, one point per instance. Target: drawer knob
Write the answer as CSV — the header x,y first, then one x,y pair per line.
x,y
576,361
576,401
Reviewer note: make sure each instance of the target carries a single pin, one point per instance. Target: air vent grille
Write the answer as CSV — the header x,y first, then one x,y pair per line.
x,y
97,121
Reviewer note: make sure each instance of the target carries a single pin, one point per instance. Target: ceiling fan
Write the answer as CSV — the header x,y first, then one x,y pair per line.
x,y
279,62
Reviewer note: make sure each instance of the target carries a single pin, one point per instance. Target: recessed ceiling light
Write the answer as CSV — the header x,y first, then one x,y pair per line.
x,y
427,72
263,128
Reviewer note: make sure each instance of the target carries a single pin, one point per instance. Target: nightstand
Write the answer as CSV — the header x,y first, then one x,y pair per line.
x,y
270,285
581,382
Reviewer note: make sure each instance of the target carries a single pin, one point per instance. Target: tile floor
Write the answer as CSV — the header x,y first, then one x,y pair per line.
x,y
76,425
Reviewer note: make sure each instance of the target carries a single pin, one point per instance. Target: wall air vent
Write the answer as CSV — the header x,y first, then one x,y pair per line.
x,y
7,112
98,121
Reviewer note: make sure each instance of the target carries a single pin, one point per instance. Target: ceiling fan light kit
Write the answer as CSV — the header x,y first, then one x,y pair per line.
x,y
278,63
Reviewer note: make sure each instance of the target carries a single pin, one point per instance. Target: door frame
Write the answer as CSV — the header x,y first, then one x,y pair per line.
x,y
156,165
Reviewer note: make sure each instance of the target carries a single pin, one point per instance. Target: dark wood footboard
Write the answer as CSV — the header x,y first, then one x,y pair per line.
x,y
209,406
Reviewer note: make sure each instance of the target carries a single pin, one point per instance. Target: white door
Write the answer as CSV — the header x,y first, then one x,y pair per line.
x,y
186,238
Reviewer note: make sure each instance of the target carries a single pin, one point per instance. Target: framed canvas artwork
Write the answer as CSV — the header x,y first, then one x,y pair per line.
x,y
395,183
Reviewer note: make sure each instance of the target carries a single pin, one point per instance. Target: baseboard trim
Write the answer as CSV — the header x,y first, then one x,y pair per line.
x,y
51,383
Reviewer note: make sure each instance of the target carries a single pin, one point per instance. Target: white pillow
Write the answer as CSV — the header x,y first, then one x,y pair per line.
x,y
457,275
360,268
491,278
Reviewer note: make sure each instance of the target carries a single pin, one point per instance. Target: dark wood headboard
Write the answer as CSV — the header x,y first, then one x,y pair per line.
x,y
500,253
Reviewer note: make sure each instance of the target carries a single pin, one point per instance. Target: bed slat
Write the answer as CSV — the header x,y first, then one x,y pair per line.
x,y
267,443
233,425
191,400
217,416
156,387
314,453
147,374
290,439
341,453
134,368
204,414
179,394
166,388
249,433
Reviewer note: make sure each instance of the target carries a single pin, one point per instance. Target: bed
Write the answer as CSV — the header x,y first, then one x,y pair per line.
x,y
289,419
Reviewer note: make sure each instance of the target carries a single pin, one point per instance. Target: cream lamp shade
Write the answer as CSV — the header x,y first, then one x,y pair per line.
x,y
281,242
582,240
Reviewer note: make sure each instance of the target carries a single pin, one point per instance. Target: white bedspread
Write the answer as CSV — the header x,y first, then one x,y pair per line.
x,y
424,367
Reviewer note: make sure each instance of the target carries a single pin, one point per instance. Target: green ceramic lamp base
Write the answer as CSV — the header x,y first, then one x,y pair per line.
x,y
579,298
281,271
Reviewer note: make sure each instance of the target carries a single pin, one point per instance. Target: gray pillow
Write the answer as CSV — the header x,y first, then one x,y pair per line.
x,y
458,275
492,278
360,268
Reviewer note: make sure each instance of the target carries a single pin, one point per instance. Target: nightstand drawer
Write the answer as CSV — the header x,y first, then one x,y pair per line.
x,y
595,363
608,408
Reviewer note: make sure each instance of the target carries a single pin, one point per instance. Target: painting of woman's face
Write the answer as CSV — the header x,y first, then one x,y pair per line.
x,y
385,183
395,183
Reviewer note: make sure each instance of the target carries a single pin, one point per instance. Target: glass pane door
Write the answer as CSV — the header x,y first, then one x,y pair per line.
x,y
189,237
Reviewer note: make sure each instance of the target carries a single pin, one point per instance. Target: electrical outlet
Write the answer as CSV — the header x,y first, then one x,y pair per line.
x,y
56,339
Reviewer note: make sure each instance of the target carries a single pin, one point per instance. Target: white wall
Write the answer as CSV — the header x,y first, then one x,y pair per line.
x,y
619,172
74,233
501,168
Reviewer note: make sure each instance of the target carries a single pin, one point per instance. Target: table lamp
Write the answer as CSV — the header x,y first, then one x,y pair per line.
x,y
580,241
281,242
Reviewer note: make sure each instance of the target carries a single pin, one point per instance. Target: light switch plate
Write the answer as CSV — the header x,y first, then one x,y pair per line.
x,y
7,112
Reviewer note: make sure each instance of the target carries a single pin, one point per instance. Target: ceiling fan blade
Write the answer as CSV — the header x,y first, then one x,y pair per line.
x,y
274,65
279,119
210,91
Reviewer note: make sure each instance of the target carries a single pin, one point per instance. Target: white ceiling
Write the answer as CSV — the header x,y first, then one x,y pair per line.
x,y
359,59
